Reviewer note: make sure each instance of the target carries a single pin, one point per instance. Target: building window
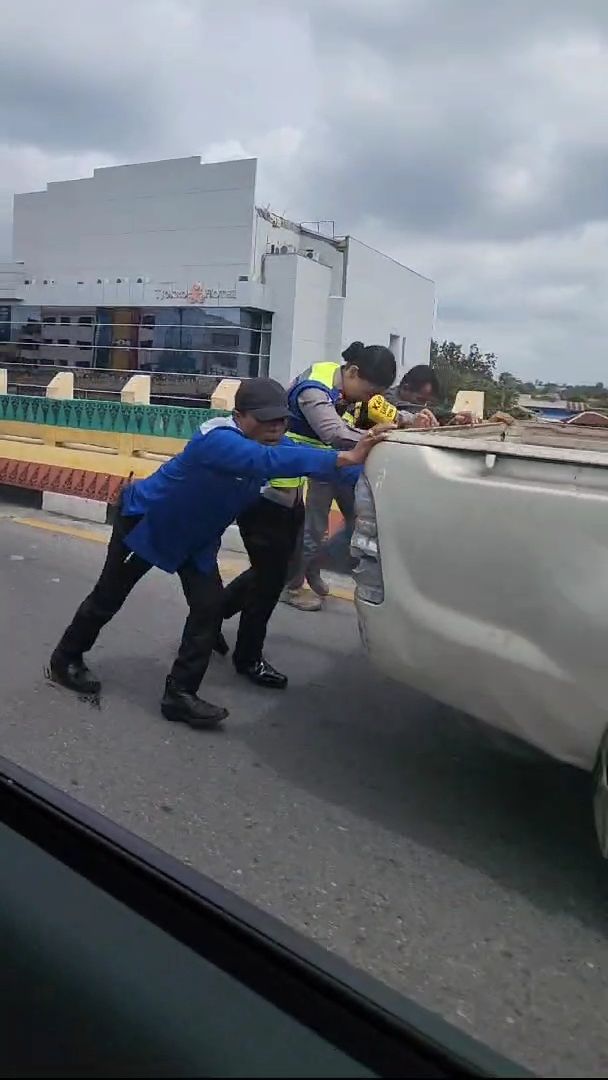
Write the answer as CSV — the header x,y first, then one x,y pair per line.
x,y
192,340
203,341
228,341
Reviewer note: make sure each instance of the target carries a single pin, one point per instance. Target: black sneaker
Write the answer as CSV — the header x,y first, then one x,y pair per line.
x,y
262,673
182,707
74,674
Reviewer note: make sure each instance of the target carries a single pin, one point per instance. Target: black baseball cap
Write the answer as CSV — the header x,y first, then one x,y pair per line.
x,y
265,399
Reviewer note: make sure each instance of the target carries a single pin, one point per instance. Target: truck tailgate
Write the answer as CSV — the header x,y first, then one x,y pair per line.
x,y
494,551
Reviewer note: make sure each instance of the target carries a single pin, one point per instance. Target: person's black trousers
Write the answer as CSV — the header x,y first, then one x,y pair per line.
x,y
270,532
122,570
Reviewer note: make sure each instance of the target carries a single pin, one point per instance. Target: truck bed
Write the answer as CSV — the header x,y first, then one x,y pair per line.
x,y
520,439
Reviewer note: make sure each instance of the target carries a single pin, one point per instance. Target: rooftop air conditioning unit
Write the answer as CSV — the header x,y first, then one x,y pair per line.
x,y
287,249
310,253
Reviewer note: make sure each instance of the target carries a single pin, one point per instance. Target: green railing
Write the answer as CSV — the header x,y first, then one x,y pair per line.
x,y
169,421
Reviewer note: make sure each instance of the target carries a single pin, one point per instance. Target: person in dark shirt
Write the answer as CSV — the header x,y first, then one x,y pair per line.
x,y
419,386
420,389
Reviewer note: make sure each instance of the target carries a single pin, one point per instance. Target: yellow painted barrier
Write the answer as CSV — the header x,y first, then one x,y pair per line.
x,y
89,460
119,442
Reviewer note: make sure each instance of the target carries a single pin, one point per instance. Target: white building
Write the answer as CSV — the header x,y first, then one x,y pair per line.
x,y
171,266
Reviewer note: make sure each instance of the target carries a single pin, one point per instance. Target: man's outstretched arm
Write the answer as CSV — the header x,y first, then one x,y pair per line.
x,y
228,452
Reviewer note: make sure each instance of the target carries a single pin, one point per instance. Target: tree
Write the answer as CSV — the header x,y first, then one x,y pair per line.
x,y
472,370
480,364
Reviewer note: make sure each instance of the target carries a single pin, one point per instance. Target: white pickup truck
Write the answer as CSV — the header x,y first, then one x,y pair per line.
x,y
483,580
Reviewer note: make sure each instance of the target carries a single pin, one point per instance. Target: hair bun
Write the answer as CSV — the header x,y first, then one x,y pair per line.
x,y
352,353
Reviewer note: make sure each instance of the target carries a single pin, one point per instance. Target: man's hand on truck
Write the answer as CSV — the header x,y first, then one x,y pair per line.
x,y
358,453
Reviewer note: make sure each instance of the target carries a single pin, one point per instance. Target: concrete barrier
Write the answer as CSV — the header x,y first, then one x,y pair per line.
x,y
74,506
61,386
224,394
136,391
469,401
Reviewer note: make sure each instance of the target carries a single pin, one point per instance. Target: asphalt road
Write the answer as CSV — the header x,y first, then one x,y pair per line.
x,y
386,827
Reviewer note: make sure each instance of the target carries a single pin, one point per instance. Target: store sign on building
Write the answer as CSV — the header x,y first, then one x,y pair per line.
x,y
196,294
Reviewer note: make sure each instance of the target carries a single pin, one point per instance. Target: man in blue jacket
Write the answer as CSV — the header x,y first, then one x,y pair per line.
x,y
174,519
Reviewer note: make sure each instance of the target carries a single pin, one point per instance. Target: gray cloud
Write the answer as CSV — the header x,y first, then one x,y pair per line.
x,y
406,29
467,125
59,110
62,84
467,139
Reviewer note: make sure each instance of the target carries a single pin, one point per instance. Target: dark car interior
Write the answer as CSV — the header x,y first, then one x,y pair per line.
x,y
120,962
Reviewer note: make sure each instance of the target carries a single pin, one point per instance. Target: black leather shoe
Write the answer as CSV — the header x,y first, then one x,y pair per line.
x,y
182,707
262,673
221,645
74,674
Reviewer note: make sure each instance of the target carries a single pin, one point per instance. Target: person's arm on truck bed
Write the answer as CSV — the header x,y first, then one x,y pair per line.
x,y
331,429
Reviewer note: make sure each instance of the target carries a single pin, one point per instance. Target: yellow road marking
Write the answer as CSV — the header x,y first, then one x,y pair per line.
x,y
65,530
226,564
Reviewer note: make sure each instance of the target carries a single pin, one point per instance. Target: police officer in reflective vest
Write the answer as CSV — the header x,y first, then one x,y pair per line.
x,y
319,400
341,430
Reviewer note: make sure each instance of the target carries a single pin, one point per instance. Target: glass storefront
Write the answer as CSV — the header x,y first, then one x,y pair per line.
x,y
187,340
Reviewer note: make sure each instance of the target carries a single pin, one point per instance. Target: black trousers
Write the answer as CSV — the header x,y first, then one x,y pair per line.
x,y
121,572
270,532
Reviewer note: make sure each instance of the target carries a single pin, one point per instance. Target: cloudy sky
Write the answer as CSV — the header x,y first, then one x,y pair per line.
x,y
467,138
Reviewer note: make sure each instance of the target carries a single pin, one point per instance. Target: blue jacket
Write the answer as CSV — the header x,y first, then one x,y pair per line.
x,y
189,502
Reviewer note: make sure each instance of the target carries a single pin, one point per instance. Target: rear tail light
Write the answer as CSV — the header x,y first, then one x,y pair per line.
x,y
364,547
